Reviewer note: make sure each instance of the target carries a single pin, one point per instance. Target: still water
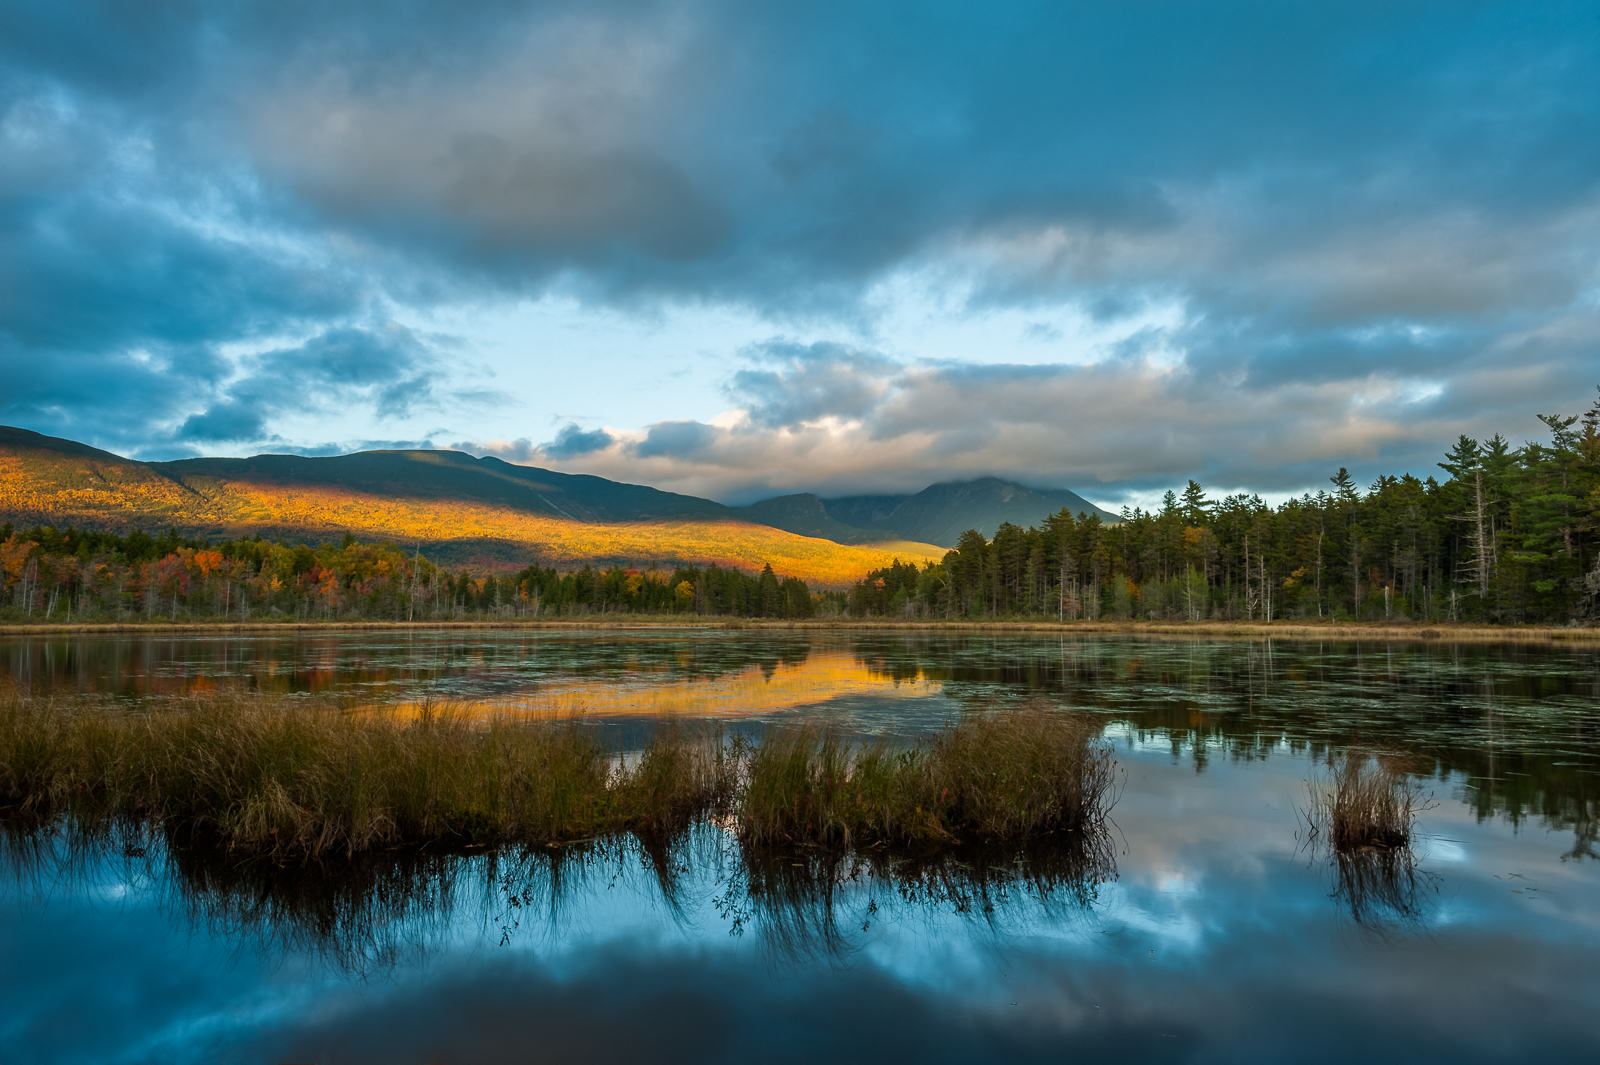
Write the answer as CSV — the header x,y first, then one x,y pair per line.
x,y
1215,931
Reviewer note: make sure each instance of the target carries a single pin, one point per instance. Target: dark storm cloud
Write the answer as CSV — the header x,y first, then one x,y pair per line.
x,y
676,440
1333,196
571,442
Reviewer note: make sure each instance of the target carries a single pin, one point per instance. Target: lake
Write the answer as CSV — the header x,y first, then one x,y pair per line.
x,y
1214,930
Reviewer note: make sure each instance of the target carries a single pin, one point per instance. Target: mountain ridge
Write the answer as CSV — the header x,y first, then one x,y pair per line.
x,y
68,480
482,513
940,513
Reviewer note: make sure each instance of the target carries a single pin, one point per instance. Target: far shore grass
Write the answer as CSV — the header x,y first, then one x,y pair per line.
x,y
1298,629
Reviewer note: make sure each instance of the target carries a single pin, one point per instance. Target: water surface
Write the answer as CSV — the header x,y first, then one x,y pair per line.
x,y
1216,933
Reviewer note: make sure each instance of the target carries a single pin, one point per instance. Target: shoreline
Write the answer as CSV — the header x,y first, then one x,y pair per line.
x,y
1445,632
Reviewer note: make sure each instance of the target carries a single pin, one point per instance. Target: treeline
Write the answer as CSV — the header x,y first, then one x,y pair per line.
x,y
1508,535
70,574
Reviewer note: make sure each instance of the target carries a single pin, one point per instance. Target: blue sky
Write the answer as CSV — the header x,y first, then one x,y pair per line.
x,y
739,249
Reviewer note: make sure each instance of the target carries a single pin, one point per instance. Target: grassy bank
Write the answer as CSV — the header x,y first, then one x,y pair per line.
x,y
294,778
1257,630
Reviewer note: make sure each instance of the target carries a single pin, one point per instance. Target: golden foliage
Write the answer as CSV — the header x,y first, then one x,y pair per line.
x,y
43,487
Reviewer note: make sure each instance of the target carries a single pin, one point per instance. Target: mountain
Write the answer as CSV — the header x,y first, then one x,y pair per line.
x,y
454,475
940,513
495,513
805,515
462,510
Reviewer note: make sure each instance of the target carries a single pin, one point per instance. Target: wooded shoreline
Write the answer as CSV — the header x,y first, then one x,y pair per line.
x,y
1258,630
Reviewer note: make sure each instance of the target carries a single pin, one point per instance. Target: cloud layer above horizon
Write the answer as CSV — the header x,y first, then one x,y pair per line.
x,y
744,249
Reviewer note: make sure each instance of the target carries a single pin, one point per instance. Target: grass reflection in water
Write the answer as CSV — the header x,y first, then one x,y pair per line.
x,y
1363,815
350,833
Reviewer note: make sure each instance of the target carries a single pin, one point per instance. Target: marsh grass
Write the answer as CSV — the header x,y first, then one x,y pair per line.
x,y
296,778
1005,775
307,824
1363,801
306,779
1364,810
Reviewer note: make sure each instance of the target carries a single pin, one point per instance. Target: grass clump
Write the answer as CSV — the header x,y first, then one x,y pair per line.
x,y
1008,775
1364,801
290,777
293,777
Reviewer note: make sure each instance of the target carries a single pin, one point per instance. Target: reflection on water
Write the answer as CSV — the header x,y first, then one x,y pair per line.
x,y
1515,727
1201,928
825,675
371,913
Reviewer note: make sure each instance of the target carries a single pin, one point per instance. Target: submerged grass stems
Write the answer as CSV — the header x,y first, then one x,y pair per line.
x,y
300,778
1008,775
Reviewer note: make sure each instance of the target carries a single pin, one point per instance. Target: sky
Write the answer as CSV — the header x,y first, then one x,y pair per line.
x,y
740,250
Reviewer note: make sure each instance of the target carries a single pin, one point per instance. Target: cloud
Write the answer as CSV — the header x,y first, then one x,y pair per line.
x,y
675,440
810,382
1119,429
571,442
1371,224
385,367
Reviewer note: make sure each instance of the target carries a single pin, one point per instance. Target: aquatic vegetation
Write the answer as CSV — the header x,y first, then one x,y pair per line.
x,y
1364,813
1004,775
306,778
1364,801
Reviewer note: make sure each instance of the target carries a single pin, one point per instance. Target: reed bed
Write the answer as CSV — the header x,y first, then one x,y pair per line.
x,y
1364,801
1004,776
292,777
307,779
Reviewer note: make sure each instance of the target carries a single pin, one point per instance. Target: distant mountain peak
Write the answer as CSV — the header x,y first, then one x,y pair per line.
x,y
940,513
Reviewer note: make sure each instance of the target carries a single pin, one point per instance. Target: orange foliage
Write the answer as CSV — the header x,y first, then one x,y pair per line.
x,y
47,488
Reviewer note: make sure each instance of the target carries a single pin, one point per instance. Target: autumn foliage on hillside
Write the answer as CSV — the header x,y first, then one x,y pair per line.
x,y
39,487
62,575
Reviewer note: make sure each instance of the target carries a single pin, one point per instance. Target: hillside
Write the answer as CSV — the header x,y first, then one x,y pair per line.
x,y
453,475
456,508
940,513
805,515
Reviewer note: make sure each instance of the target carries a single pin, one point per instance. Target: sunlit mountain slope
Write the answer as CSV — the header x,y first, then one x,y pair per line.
x,y
500,515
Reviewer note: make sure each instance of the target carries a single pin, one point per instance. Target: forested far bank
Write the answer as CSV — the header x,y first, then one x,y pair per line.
x,y
1503,536
49,574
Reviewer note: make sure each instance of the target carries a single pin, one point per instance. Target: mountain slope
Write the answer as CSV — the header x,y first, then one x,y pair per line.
x,y
453,475
483,512
940,513
805,515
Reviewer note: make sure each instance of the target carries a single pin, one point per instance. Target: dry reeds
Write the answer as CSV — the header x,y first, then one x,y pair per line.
x,y
295,777
1364,801
1009,775
299,778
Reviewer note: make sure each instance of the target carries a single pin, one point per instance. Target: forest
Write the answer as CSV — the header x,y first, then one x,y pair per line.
x,y
63,575
1503,536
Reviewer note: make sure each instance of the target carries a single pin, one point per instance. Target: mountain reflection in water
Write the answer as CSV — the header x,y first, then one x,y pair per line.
x,y
1208,930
